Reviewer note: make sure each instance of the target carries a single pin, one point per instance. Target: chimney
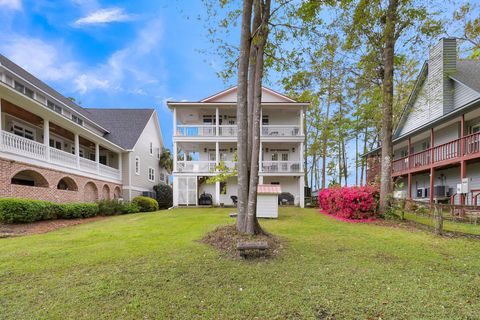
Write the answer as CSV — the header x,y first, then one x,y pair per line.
x,y
442,62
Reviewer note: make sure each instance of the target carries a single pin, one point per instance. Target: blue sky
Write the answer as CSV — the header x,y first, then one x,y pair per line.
x,y
113,54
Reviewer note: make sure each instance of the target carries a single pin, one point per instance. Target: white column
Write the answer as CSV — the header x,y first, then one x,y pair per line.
x,y
301,156
301,121
217,193
77,148
217,153
120,164
217,122
301,185
46,138
97,156
260,179
174,156
260,169
174,121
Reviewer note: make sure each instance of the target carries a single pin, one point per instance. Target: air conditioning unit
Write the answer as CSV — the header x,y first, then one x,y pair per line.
x,y
440,191
423,192
400,194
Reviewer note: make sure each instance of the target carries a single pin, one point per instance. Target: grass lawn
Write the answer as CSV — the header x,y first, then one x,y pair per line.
x,y
448,225
149,266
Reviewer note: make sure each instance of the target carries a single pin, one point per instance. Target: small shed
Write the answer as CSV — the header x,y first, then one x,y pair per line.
x,y
267,200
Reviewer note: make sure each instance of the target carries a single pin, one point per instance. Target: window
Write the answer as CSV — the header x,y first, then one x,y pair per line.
x,y
55,143
29,92
162,176
77,120
284,156
151,148
475,128
151,174
137,165
223,188
265,120
158,153
274,156
54,107
19,87
22,131
103,159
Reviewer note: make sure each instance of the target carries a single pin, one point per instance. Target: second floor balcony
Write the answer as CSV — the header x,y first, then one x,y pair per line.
x,y
232,130
464,148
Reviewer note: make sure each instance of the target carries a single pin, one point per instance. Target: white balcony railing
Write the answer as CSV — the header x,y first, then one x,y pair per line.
x,y
227,130
196,166
31,149
22,146
196,130
62,157
231,131
280,131
281,166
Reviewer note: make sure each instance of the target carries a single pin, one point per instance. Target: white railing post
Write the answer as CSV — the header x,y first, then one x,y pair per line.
x,y
97,156
77,149
217,154
46,138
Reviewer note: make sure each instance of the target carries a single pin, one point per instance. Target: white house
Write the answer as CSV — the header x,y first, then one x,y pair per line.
x,y
53,149
205,133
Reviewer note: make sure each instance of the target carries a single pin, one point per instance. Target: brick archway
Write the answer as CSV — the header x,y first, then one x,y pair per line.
x,y
106,192
30,178
90,192
68,184
117,193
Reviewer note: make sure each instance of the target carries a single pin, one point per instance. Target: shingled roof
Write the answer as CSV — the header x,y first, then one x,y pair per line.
x,y
468,73
125,125
43,86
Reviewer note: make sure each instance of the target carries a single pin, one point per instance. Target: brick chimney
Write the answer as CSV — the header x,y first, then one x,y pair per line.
x,y
442,62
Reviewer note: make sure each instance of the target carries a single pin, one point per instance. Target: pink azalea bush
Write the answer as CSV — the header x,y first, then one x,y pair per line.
x,y
351,203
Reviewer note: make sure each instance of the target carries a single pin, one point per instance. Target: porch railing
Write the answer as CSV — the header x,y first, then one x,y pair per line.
x,y
282,130
227,130
196,166
450,151
196,130
21,146
281,166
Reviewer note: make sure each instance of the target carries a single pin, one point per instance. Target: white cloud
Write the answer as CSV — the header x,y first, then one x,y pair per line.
x,y
123,70
103,16
48,63
11,4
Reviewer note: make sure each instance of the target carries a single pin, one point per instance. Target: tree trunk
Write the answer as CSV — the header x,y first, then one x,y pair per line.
x,y
242,119
387,146
326,130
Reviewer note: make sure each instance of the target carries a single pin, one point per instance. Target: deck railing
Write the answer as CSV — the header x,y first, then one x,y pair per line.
x,y
281,130
446,152
21,146
281,166
196,166
231,130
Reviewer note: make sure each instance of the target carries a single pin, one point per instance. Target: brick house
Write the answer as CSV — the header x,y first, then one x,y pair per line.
x,y
53,149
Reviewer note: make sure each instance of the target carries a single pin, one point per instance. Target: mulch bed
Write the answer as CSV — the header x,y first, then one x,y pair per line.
x,y
225,240
12,230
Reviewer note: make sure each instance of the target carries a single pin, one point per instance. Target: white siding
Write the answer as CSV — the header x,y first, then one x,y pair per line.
x,y
463,95
267,206
419,113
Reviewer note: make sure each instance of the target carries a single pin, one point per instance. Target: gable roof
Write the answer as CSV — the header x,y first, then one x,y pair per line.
x,y
468,73
4,61
125,125
229,95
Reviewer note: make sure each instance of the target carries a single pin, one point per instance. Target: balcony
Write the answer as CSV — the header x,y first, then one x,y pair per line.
x,y
453,151
231,131
196,166
14,144
281,166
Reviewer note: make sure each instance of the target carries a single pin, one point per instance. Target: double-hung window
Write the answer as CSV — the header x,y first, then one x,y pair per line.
x,y
151,174
137,165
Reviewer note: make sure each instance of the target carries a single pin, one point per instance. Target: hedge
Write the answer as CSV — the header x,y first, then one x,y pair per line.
x,y
13,210
146,204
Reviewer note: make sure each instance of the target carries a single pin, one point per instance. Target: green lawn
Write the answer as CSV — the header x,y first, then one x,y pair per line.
x,y
149,266
448,225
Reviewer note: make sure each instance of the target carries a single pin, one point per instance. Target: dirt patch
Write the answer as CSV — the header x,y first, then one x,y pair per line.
x,y
12,230
225,240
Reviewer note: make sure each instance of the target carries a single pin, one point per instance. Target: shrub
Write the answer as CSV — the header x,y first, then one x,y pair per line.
x,y
350,202
114,207
164,195
146,204
79,210
27,210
